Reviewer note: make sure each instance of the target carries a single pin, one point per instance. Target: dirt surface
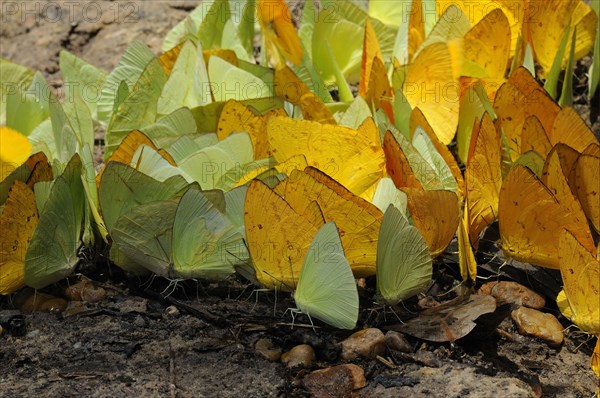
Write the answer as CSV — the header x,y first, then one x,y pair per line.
x,y
148,338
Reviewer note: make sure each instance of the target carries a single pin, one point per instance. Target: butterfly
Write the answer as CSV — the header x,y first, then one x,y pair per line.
x,y
52,253
280,34
580,298
529,215
14,151
403,260
181,238
326,288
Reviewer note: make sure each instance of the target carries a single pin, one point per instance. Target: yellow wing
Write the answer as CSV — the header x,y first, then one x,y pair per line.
x,y
354,158
14,150
570,129
487,45
236,116
483,178
436,216
587,177
554,177
278,28
529,217
358,220
278,237
580,271
534,137
429,85
17,223
290,87
371,51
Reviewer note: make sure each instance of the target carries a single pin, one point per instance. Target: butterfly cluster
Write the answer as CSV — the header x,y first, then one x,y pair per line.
x,y
219,160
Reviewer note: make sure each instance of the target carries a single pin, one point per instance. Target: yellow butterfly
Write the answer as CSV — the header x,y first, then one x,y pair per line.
x,y
580,298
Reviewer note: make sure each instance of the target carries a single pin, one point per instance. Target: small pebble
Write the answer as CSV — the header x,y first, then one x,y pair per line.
x,y
367,343
266,349
1,330
139,321
301,355
85,290
33,333
77,345
171,311
336,381
397,342
531,322
513,293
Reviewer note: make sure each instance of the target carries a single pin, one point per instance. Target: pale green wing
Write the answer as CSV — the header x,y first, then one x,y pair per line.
x,y
81,77
52,252
12,76
130,67
153,164
144,235
26,109
533,161
422,169
210,164
138,109
356,113
169,128
122,188
188,82
386,193
326,289
230,82
205,243
425,147
403,259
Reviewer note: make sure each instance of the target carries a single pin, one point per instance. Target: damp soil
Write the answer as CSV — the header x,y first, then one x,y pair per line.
x,y
155,338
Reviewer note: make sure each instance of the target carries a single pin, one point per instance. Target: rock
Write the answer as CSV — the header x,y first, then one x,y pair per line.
x,y
266,349
171,311
397,342
514,293
531,322
29,301
335,382
85,290
301,355
366,343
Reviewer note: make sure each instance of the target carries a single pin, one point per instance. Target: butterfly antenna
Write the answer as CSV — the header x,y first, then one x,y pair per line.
x,y
311,323
278,280
396,315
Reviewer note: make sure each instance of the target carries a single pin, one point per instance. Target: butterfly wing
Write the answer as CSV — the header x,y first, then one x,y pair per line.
x,y
581,277
17,223
326,288
403,259
52,253
205,243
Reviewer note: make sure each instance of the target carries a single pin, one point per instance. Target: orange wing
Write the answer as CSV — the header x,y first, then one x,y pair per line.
x,y
436,216
358,221
17,223
586,181
278,237
529,216
397,164
483,178
290,87
276,24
